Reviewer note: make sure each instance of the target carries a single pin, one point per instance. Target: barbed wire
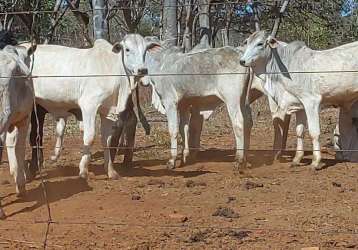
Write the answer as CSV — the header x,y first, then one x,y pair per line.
x,y
178,74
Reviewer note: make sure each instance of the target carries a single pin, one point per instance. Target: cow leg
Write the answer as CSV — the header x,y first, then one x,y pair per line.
x,y
280,136
15,143
129,133
300,129
312,114
238,125
173,124
106,136
2,144
89,130
195,128
184,132
60,131
36,139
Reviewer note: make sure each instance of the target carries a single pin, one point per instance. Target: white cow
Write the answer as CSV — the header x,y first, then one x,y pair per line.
x,y
107,95
264,54
178,94
16,100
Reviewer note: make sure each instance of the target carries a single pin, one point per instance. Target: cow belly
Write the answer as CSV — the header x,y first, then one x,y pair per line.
x,y
56,94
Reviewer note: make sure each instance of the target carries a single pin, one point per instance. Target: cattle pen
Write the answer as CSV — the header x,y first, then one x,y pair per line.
x,y
203,204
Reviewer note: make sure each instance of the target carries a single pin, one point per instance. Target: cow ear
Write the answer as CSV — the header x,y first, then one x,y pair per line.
x,y
153,46
117,47
272,42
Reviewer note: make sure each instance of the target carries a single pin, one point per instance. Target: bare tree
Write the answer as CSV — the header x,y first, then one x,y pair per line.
x,y
204,22
189,18
100,24
170,30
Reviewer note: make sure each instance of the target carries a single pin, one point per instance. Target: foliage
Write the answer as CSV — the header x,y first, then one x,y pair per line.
x,y
318,22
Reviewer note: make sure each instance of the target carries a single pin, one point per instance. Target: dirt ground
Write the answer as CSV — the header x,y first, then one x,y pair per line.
x,y
203,205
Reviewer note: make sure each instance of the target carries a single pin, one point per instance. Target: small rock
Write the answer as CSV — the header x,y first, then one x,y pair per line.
x,y
136,197
250,185
198,236
226,212
4,182
336,184
156,182
230,199
310,248
178,217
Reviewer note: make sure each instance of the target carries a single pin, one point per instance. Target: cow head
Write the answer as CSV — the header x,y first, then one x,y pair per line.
x,y
134,48
12,68
257,49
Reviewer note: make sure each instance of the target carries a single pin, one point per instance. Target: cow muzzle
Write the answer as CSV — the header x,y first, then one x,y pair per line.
x,y
142,72
243,63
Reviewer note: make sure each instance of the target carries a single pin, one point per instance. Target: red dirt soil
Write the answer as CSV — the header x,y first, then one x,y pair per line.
x,y
204,205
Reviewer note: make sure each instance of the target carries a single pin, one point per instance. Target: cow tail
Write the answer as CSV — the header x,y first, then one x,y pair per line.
x,y
143,120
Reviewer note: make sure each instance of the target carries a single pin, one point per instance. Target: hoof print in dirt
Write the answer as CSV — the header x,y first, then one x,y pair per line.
x,y
178,218
198,236
136,197
230,199
336,184
191,184
226,212
156,182
251,185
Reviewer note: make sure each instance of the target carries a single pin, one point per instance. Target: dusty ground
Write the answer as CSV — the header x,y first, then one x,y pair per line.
x,y
204,205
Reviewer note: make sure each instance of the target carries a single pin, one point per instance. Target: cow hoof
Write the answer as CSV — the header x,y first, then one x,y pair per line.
x,y
20,191
239,166
316,167
113,175
171,165
53,158
84,175
294,164
2,214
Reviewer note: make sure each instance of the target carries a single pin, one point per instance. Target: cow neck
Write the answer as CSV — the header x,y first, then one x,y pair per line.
x,y
272,71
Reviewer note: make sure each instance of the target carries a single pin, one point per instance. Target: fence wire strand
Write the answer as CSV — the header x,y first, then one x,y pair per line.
x,y
178,74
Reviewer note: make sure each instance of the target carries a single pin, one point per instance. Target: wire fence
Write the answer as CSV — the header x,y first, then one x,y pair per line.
x,y
177,74
51,222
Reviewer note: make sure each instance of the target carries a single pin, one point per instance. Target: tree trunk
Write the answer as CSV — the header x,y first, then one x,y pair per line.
x,y
100,25
204,22
170,22
187,38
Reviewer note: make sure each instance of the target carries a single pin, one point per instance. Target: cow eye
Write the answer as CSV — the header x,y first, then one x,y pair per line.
x,y
260,44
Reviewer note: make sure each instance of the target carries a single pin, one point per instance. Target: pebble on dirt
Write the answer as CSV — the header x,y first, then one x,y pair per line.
x,y
226,212
136,197
250,185
191,183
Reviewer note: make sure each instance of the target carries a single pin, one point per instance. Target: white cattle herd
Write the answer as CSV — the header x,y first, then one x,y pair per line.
x,y
102,79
